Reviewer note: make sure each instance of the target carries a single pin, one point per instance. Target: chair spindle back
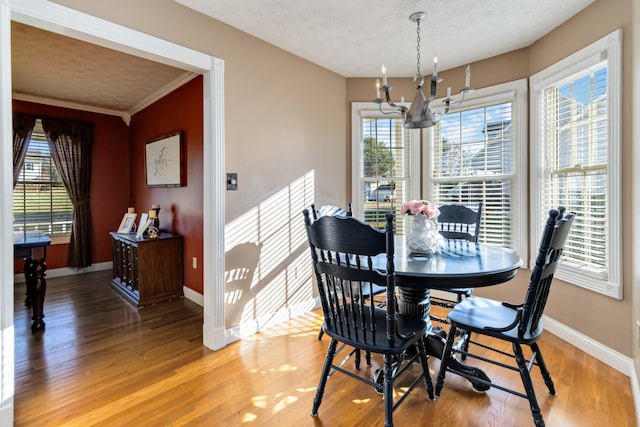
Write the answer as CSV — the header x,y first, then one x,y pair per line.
x,y
342,251
459,222
552,242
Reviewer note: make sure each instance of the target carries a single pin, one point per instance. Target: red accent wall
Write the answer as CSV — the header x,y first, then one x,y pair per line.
x,y
110,189
180,207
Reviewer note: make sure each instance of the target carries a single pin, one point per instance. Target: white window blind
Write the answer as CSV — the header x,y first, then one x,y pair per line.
x,y
477,152
40,201
473,162
576,164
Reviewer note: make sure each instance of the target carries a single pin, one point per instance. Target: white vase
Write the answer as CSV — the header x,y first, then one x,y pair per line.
x,y
424,237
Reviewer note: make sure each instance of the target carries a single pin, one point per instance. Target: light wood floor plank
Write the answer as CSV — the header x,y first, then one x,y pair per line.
x,y
101,362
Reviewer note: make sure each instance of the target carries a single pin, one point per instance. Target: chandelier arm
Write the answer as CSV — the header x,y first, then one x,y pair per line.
x,y
450,102
402,108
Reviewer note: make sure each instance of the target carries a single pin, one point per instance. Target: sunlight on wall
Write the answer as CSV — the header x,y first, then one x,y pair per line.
x,y
268,277
6,388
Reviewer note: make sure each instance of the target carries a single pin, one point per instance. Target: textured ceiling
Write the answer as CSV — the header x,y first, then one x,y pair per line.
x,y
355,37
54,67
350,37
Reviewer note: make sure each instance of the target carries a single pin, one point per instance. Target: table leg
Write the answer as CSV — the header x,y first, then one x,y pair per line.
x,y
29,272
34,271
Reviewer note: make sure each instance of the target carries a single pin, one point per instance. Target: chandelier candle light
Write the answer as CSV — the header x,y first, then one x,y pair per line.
x,y
419,115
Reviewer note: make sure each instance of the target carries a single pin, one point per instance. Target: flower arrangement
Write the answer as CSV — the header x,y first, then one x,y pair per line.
x,y
416,207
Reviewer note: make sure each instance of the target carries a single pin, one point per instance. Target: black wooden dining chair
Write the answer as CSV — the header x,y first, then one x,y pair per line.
x,y
342,251
520,325
332,210
459,225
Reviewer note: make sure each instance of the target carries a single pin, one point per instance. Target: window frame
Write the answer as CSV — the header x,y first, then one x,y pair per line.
x,y
369,110
608,48
515,92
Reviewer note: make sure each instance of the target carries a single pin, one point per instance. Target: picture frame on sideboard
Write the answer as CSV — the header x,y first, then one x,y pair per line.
x,y
143,227
127,223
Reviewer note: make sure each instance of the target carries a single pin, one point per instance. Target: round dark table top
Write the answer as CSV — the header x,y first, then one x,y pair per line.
x,y
458,265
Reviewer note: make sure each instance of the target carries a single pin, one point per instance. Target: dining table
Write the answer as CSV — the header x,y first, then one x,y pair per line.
x,y
457,264
32,246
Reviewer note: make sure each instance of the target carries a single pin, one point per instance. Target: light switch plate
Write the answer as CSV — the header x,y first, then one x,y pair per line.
x,y
232,181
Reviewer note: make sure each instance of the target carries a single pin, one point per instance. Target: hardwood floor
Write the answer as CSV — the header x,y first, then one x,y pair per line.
x,y
102,362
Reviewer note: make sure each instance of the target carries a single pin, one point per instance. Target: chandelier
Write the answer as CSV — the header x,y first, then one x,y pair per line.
x,y
419,115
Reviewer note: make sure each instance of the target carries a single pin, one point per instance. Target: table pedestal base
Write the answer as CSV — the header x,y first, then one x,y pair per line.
x,y
416,302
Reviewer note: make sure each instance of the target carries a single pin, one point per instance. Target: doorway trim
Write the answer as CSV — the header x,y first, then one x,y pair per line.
x,y
72,23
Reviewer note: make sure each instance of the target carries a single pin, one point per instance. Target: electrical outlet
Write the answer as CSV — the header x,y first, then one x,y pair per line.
x,y
195,263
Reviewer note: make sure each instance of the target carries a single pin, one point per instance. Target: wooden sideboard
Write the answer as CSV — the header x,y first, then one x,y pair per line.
x,y
147,271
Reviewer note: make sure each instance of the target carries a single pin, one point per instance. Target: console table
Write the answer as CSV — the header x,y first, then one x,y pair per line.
x,y
147,271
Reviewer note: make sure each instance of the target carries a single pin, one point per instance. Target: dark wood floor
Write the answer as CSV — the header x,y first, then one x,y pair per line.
x,y
102,362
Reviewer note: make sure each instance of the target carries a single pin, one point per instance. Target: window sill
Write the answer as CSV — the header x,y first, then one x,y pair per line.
x,y
60,240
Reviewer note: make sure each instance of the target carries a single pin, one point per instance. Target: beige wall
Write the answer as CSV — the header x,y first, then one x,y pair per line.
x,y
604,319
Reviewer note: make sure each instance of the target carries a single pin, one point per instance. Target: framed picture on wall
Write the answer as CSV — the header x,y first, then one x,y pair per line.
x,y
164,161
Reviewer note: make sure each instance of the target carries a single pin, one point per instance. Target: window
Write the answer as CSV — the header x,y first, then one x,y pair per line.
x,y
575,162
385,165
40,201
477,154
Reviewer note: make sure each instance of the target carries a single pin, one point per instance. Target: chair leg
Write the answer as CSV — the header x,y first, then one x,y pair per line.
x,y
446,357
543,369
320,334
425,368
328,360
465,345
528,385
357,359
388,390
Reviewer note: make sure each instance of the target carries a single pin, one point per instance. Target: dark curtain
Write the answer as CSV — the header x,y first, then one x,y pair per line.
x,y
22,127
70,143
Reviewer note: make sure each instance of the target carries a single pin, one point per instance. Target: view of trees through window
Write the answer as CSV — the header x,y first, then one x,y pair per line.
x,y
385,154
40,201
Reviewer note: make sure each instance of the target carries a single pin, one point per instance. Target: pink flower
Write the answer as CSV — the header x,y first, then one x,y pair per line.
x,y
431,210
415,207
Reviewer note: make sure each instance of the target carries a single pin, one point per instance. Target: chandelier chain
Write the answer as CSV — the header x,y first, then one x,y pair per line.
x,y
419,74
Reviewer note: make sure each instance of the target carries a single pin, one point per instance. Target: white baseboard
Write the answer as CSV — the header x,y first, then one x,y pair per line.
x,y
194,296
617,361
6,413
68,271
